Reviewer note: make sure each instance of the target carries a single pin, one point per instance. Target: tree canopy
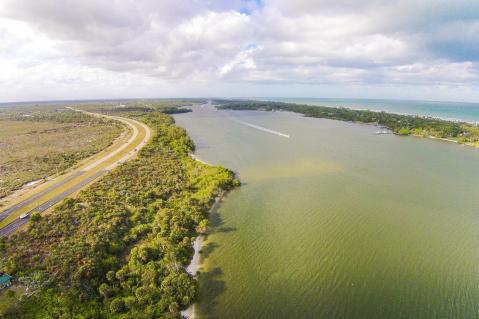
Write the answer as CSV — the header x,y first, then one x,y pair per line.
x,y
119,249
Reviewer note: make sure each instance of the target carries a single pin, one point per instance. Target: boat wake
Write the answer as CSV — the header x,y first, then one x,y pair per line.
x,y
261,128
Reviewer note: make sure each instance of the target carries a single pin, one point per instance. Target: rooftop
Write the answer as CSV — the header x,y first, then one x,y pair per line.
x,y
4,279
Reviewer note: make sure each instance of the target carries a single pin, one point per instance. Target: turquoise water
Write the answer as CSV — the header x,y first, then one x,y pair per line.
x,y
337,222
447,110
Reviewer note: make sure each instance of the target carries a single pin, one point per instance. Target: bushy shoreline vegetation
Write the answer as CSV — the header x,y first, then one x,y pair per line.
x,y
460,132
37,144
163,106
119,249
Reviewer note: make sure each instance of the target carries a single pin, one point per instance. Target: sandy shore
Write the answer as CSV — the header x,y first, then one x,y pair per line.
x,y
192,269
446,140
194,265
193,156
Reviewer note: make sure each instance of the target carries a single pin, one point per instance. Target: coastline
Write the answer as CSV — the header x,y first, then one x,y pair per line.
x,y
457,121
192,269
474,123
195,263
409,114
444,139
365,108
193,156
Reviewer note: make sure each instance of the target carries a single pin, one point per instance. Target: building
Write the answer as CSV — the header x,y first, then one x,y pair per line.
x,y
5,281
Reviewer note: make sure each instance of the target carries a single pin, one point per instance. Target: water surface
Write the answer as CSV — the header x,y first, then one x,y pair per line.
x,y
463,111
336,221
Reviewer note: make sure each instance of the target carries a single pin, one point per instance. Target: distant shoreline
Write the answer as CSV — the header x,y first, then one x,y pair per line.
x,y
460,132
322,101
309,102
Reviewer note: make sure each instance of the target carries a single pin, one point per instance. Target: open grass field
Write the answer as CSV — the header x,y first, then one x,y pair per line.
x,y
35,146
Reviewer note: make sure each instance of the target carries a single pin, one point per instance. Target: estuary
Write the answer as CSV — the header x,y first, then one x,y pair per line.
x,y
336,221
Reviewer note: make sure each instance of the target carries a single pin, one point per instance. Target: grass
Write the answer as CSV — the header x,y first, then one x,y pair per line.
x,y
9,300
34,147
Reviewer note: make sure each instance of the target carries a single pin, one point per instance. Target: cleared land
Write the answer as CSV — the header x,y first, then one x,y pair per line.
x,y
37,145
53,192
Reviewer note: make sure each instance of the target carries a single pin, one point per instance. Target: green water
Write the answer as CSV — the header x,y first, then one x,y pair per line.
x,y
337,222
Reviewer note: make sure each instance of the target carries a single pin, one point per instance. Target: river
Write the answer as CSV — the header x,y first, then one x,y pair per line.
x,y
335,221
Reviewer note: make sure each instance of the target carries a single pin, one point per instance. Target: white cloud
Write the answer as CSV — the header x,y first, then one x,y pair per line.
x,y
242,61
140,46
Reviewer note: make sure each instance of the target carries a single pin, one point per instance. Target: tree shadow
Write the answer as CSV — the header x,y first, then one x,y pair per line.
x,y
225,229
216,224
207,249
211,288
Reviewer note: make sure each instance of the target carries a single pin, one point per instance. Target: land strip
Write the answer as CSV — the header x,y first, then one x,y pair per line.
x,y
120,248
452,131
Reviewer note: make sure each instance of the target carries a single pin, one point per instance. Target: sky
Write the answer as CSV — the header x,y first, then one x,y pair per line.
x,y
93,49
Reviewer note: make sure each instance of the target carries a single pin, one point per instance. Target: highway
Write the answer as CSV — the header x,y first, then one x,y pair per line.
x,y
42,198
16,207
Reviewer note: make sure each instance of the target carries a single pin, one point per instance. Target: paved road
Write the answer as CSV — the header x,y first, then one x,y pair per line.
x,y
14,225
31,199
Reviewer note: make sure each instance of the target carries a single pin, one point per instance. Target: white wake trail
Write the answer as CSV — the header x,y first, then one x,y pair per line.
x,y
264,129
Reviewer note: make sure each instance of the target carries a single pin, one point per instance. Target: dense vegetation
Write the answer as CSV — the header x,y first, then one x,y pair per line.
x,y
39,144
163,106
399,124
119,249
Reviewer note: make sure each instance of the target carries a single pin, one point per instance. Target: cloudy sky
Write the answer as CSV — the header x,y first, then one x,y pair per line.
x,y
70,49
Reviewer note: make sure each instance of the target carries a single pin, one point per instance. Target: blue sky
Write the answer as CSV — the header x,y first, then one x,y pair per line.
x,y
88,49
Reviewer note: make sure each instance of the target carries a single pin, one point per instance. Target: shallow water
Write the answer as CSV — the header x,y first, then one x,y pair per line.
x,y
336,221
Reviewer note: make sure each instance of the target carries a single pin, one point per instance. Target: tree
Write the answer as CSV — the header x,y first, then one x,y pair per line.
x,y
117,306
105,291
404,131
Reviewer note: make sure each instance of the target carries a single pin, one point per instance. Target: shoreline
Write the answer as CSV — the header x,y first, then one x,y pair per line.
x,y
444,139
195,262
476,124
196,158
192,269
365,108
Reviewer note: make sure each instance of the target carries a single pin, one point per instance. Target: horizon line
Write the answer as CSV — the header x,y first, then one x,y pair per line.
x,y
229,98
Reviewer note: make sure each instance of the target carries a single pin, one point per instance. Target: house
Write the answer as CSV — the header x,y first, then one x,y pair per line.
x,y
5,281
